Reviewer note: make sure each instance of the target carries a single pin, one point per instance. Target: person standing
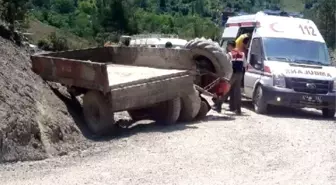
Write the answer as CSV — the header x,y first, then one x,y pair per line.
x,y
236,54
223,98
231,45
239,63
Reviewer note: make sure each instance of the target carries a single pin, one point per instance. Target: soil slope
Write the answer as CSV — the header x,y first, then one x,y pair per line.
x,y
34,122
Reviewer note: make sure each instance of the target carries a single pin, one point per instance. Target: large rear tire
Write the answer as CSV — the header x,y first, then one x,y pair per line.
x,y
207,49
168,112
191,105
98,114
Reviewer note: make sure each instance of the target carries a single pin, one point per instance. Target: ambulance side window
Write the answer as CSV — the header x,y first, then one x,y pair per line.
x,y
224,41
256,54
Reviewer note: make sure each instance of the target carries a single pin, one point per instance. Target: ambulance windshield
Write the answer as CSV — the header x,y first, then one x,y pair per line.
x,y
296,51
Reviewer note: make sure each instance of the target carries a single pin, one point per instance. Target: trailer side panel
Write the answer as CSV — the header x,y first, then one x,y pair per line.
x,y
71,72
163,58
148,93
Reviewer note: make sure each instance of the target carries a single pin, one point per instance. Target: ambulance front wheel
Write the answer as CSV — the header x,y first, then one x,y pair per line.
x,y
328,113
259,103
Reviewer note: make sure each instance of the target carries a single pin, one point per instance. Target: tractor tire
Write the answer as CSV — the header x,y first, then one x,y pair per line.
x,y
191,105
98,114
214,53
167,112
204,109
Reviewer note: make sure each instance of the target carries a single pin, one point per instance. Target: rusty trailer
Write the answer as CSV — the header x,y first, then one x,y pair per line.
x,y
149,83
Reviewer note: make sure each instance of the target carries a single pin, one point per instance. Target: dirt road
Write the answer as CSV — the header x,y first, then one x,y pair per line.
x,y
282,148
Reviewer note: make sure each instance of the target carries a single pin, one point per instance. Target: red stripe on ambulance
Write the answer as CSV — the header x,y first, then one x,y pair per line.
x,y
242,24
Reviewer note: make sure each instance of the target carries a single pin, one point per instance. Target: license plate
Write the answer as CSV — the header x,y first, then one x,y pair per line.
x,y
312,99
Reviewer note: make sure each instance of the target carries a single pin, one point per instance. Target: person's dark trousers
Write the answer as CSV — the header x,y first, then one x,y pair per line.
x,y
226,97
235,93
242,81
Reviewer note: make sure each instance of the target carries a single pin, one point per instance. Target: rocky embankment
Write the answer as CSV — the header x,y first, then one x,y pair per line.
x,y
34,122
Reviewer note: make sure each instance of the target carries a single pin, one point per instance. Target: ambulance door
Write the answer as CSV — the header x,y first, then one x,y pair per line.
x,y
255,67
230,31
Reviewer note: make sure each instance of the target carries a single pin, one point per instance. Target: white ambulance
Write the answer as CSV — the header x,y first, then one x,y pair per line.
x,y
289,64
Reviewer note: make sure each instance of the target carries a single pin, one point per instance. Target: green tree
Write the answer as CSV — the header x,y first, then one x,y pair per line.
x,y
13,11
199,7
64,6
162,5
41,3
115,18
326,21
87,6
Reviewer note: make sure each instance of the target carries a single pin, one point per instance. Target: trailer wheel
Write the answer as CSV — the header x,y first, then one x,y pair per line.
x,y
168,112
190,106
98,114
204,109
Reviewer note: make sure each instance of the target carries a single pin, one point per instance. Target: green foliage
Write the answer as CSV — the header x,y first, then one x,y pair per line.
x,y
12,11
323,14
107,19
187,18
58,43
54,42
44,44
94,18
64,6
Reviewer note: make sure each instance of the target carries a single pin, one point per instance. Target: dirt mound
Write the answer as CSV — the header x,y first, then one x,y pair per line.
x,y
35,123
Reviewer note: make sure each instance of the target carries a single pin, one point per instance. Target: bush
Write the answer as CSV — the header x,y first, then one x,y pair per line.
x,y
44,44
54,42
58,43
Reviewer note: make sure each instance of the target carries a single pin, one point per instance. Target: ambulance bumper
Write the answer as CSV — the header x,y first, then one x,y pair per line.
x,y
291,98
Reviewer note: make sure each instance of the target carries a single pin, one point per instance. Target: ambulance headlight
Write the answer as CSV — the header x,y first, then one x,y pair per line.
x,y
279,80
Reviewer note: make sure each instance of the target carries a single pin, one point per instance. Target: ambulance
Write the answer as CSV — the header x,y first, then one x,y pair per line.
x,y
289,63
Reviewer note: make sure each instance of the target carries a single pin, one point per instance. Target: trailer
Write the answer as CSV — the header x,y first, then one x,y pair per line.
x,y
149,83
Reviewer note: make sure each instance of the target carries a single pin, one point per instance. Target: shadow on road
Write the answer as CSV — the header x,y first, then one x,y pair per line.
x,y
152,126
287,112
219,118
75,110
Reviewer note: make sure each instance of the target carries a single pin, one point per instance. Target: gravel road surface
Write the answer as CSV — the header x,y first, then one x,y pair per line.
x,y
286,147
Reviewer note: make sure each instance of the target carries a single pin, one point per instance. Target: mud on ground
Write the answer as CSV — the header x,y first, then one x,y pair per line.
x,y
34,122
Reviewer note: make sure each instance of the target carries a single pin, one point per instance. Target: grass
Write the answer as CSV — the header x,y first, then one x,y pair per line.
x,y
40,30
